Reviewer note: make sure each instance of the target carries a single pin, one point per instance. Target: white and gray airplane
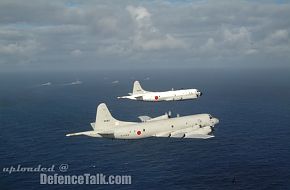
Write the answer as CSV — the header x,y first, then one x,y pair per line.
x,y
172,95
193,126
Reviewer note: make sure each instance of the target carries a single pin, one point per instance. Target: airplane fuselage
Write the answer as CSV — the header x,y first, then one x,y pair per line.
x,y
172,95
140,94
197,124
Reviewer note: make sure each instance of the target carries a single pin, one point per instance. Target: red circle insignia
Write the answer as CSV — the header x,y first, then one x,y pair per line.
x,y
156,97
138,132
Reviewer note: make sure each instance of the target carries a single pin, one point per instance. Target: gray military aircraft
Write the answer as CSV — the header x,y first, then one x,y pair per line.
x,y
193,126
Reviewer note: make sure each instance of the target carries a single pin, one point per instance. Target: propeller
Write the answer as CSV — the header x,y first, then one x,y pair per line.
x,y
211,133
213,129
169,114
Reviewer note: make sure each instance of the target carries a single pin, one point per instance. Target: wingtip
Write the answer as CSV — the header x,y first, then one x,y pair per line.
x,y
71,134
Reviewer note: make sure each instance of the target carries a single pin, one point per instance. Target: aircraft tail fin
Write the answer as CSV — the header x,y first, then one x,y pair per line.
x,y
137,89
104,119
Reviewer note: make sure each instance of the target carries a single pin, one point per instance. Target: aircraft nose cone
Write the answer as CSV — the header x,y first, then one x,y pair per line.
x,y
216,120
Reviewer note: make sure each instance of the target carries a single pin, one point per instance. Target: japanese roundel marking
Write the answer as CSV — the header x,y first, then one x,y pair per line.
x,y
156,97
138,132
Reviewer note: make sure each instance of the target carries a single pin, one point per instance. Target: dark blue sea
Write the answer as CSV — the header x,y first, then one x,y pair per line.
x,y
250,149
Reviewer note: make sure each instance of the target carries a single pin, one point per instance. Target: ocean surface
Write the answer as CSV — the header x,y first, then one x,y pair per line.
x,y
251,148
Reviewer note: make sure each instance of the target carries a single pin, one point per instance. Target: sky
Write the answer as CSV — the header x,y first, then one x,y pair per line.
x,y
64,34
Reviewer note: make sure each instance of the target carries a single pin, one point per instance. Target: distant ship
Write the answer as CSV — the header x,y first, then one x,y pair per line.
x,y
76,82
46,84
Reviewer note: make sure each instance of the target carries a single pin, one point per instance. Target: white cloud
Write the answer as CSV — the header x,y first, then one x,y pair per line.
x,y
228,42
140,14
239,36
251,51
279,35
124,33
147,36
277,42
209,45
162,42
108,24
76,53
22,48
115,82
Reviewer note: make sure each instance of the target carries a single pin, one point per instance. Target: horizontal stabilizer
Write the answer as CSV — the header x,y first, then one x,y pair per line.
x,y
107,134
86,133
138,97
198,136
133,97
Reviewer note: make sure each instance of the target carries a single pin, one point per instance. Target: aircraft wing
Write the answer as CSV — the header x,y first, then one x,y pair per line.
x,y
193,136
123,97
145,118
164,134
194,132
